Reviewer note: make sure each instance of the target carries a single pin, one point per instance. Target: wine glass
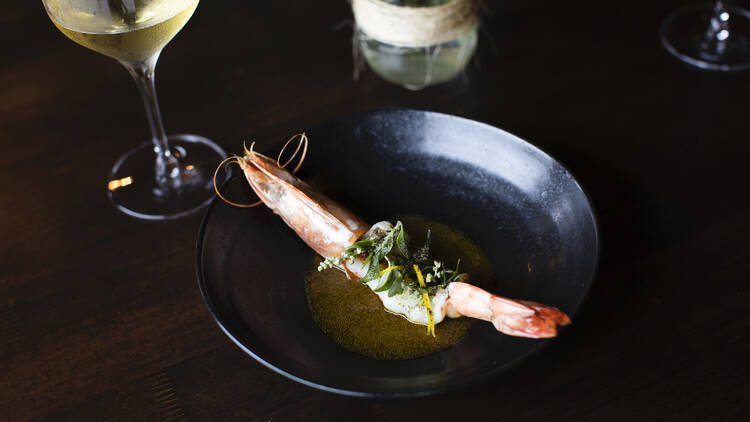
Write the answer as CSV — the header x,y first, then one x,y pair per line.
x,y
170,176
710,36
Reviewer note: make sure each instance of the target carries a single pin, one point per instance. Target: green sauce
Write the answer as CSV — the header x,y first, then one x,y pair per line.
x,y
353,316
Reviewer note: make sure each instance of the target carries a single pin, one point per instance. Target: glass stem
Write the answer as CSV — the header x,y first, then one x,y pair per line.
x,y
167,166
715,40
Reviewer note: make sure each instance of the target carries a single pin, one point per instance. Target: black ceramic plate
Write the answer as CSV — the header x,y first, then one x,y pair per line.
x,y
525,210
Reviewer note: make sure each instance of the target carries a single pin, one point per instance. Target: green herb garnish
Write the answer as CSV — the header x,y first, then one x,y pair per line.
x,y
401,268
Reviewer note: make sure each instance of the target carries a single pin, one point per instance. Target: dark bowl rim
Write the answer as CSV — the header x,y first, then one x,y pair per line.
x,y
495,372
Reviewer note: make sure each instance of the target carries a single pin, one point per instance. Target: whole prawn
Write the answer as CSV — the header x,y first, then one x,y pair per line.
x,y
329,229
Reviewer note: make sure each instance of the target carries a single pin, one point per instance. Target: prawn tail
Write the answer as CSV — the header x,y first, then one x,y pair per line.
x,y
548,312
515,318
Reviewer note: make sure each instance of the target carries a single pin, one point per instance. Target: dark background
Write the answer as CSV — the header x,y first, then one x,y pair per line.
x,y
100,315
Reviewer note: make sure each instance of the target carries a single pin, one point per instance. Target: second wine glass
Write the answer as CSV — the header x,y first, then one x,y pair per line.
x,y
710,36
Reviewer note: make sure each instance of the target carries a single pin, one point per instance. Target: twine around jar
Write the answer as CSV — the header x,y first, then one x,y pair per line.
x,y
414,26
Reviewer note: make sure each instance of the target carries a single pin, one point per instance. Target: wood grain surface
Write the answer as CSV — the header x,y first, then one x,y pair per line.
x,y
100,315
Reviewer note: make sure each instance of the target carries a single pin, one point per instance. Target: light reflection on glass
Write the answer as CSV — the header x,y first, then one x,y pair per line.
x,y
116,184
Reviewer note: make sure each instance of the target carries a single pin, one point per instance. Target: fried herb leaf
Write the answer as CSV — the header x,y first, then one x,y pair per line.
x,y
427,243
401,240
387,245
386,281
398,283
422,255
373,268
362,244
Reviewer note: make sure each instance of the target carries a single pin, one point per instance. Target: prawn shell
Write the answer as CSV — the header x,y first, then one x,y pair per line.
x,y
327,227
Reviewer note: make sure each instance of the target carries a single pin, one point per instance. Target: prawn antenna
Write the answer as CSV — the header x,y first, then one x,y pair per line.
x,y
232,160
301,145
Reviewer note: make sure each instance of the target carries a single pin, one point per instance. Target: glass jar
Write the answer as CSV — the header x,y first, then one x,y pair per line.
x,y
416,43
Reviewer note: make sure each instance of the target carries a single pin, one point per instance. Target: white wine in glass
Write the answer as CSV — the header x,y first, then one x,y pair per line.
x,y
170,176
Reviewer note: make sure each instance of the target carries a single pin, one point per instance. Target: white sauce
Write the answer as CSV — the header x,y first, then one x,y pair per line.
x,y
410,304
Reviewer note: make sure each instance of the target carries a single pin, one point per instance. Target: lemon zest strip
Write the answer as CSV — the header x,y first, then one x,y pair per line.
x,y
391,268
426,300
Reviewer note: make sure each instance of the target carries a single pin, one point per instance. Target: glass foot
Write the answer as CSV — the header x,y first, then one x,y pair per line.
x,y
683,34
132,183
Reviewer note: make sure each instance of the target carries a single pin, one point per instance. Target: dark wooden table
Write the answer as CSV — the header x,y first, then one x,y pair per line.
x,y
100,314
